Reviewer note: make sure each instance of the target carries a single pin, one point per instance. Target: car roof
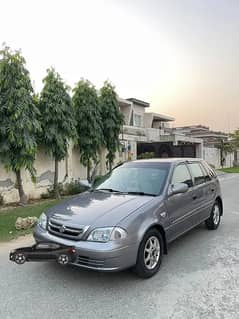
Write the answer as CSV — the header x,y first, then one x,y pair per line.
x,y
168,160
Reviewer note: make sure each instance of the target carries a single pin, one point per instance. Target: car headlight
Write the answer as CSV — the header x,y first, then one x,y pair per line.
x,y
106,234
42,221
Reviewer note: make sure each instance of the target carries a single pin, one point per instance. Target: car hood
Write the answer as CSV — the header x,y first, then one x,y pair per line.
x,y
97,208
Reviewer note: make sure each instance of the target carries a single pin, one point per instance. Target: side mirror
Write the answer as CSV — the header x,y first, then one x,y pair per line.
x,y
178,188
85,183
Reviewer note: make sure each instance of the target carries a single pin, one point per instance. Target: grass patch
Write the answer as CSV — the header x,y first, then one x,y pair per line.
x,y
8,218
230,170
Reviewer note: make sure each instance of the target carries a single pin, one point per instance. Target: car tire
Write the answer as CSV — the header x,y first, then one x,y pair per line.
x,y
150,254
20,258
214,220
63,259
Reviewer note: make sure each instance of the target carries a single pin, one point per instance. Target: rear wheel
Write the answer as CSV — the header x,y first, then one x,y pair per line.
x,y
150,254
214,220
63,259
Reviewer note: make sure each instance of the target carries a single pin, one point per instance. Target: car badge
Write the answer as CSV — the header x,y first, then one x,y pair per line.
x,y
62,229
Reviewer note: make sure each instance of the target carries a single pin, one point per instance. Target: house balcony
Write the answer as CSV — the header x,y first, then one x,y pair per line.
x,y
142,133
154,134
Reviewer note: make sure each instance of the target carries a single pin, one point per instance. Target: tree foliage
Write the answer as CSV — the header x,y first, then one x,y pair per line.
x,y
235,139
112,120
88,122
18,116
225,147
57,117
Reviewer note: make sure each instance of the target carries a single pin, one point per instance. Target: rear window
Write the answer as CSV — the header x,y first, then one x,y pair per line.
x,y
210,170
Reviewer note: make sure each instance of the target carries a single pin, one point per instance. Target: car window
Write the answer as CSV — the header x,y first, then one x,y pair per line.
x,y
42,246
181,175
197,173
47,246
210,170
207,175
128,178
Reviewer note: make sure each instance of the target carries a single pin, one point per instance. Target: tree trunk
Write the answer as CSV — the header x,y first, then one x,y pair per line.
x,y
222,157
102,161
110,165
55,186
22,195
88,171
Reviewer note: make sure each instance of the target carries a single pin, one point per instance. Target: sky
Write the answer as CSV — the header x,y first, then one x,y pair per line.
x,y
182,56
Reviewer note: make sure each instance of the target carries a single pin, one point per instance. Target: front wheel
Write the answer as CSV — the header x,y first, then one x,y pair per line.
x,y
150,254
214,220
20,258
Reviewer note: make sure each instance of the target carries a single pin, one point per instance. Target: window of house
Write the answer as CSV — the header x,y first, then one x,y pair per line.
x,y
137,120
181,175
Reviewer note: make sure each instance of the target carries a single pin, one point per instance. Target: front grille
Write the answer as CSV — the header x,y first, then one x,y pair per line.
x,y
89,262
61,230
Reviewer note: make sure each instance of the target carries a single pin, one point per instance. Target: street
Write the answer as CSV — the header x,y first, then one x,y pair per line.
x,y
199,278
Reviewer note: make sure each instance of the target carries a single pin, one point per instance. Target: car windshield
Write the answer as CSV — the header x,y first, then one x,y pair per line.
x,y
141,180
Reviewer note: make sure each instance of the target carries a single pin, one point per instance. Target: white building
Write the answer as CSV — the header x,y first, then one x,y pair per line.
x,y
211,144
151,132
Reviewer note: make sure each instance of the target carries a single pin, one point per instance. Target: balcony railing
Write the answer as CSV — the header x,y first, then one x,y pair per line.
x,y
151,134
133,130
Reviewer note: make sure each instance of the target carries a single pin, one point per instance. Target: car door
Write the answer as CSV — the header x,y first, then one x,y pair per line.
x,y
42,252
179,206
201,196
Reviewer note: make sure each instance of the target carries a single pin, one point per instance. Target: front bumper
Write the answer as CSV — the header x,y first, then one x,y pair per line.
x,y
109,256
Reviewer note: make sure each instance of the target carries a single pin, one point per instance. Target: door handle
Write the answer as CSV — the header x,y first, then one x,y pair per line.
x,y
212,190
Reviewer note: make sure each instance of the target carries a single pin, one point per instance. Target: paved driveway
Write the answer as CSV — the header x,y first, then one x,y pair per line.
x,y
198,279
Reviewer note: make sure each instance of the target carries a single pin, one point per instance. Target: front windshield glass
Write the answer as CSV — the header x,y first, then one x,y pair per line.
x,y
135,179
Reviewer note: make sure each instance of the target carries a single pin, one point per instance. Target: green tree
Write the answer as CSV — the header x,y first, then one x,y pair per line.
x,y
18,117
88,122
235,142
112,120
57,119
235,139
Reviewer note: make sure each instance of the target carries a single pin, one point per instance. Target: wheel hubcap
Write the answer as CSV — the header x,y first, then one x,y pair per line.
x,y
151,252
216,215
20,259
63,259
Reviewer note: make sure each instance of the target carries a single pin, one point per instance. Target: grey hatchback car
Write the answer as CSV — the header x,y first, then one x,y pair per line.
x,y
128,218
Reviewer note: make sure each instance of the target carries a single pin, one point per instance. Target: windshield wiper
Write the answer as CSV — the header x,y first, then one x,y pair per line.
x,y
120,192
141,193
109,190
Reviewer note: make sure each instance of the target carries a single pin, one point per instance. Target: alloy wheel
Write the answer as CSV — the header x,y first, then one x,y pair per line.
x,y
20,259
151,252
63,259
216,214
